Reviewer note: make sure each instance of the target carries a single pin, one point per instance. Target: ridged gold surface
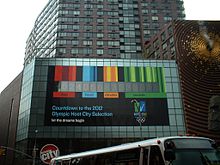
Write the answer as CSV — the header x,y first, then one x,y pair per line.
x,y
199,70
200,46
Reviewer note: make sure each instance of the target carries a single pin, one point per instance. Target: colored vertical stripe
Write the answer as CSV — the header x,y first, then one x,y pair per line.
x,y
72,73
89,75
114,74
148,74
110,74
154,74
141,74
58,73
163,78
126,74
95,73
105,73
86,73
137,74
132,74
159,78
65,73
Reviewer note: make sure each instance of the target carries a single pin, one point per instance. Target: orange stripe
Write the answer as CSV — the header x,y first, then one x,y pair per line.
x,y
114,74
105,74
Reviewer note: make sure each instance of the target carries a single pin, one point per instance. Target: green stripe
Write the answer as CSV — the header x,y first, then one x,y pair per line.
x,y
126,75
141,73
164,81
137,74
145,95
159,77
148,74
154,74
132,74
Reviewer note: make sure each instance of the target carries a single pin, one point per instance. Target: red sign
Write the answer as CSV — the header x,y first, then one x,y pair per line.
x,y
48,152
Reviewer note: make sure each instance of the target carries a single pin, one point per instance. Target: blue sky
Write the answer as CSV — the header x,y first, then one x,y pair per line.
x,y
17,20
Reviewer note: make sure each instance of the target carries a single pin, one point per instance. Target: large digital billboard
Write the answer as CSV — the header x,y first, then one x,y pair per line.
x,y
106,96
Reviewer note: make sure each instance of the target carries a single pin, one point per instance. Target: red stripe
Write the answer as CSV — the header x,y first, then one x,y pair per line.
x,y
72,73
64,94
58,73
65,73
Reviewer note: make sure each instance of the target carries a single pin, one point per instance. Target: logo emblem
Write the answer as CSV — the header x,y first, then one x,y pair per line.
x,y
140,110
48,152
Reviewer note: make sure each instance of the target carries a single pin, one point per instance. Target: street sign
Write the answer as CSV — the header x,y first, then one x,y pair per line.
x,y
48,152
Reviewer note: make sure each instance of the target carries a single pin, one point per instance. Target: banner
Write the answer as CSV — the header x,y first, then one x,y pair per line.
x,y
87,98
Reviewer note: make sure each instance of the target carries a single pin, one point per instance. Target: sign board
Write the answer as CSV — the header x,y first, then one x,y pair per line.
x,y
48,152
104,96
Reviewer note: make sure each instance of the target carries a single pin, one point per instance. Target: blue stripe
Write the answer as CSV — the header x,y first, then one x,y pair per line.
x,y
86,73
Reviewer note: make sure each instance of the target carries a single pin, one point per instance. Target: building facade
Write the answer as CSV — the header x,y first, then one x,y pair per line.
x,y
99,28
80,104
81,58
9,103
196,47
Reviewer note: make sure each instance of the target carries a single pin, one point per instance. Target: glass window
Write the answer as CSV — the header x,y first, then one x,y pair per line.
x,y
99,51
144,11
100,27
154,18
75,42
99,43
88,12
100,13
87,35
100,20
154,11
75,51
87,51
100,35
88,27
99,6
167,18
62,50
87,43
113,43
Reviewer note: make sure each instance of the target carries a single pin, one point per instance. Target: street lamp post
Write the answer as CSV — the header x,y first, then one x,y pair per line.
x,y
34,149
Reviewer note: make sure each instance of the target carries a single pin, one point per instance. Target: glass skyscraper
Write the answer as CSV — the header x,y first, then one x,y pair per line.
x,y
99,28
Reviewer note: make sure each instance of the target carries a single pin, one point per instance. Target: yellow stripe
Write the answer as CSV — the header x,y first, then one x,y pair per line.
x,y
108,73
